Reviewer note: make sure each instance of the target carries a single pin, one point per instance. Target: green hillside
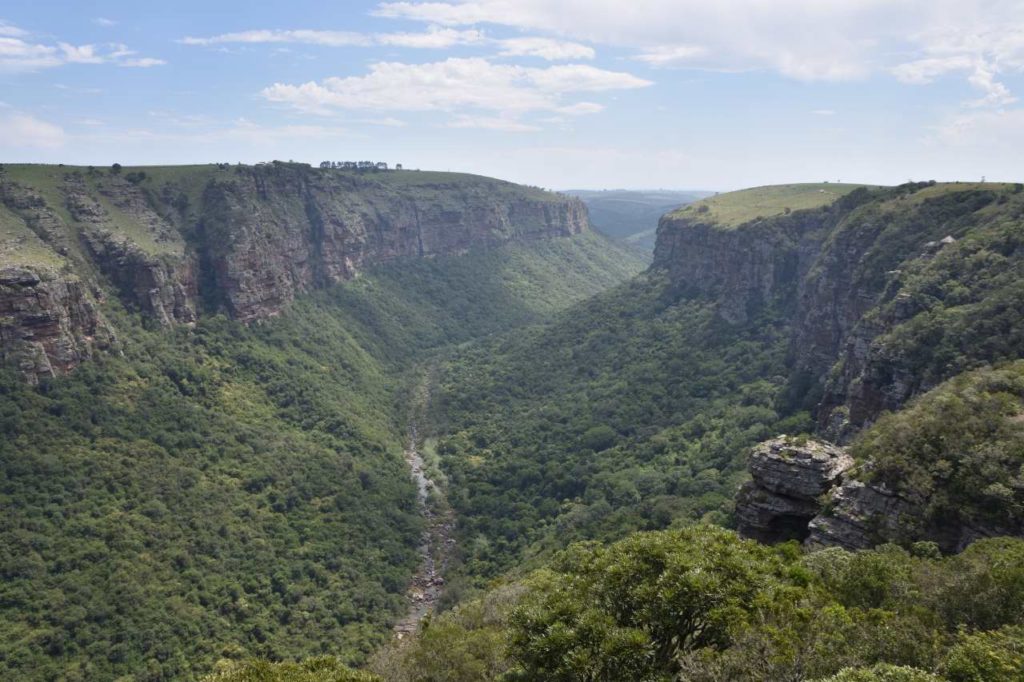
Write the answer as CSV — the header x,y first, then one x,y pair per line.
x,y
588,424
736,208
230,491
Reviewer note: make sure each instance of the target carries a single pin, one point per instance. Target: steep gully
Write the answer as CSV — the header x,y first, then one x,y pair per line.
x,y
438,543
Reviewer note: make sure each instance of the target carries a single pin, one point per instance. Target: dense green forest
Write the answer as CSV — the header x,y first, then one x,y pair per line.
x,y
635,410
230,501
632,411
230,491
701,604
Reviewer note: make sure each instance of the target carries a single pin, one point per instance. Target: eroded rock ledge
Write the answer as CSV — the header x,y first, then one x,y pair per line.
x,y
809,490
790,476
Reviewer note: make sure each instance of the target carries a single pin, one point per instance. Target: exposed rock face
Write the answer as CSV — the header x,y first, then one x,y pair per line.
x,y
863,514
271,235
807,491
844,278
860,516
245,240
743,269
48,323
164,288
789,477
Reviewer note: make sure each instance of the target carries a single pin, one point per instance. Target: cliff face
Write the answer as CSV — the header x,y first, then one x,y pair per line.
x,y
271,234
173,242
859,282
886,295
744,269
48,323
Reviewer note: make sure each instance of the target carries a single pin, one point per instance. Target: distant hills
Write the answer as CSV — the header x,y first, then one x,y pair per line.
x,y
632,215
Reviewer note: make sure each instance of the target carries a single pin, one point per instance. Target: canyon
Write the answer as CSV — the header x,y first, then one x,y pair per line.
x,y
175,242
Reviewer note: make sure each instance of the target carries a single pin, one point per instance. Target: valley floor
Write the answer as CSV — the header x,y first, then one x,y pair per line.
x,y
438,548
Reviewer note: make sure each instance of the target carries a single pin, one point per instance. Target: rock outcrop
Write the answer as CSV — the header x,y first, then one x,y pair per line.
x,y
859,516
789,476
48,322
808,490
164,288
171,243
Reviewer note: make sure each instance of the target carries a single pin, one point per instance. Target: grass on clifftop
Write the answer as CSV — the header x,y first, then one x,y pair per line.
x,y
736,208
19,245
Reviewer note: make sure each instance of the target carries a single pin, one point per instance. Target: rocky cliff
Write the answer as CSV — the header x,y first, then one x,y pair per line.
x,y
174,242
892,298
809,490
860,276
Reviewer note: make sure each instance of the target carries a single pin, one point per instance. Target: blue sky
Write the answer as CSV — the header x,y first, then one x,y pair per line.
x,y
556,93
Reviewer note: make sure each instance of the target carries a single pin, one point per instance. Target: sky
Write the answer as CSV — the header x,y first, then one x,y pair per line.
x,y
561,94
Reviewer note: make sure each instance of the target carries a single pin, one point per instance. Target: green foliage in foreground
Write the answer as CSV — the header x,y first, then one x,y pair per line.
x,y
230,492
883,672
224,492
701,605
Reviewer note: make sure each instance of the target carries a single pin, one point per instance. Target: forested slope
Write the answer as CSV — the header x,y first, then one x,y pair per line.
x,y
224,490
806,308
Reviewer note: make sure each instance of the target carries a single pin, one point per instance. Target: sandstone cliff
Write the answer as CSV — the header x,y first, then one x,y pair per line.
x,y
886,294
859,281
174,242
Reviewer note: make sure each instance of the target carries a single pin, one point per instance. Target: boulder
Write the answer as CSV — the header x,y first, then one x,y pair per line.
x,y
789,475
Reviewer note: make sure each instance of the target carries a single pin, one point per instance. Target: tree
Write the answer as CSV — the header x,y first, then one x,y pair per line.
x,y
324,669
629,610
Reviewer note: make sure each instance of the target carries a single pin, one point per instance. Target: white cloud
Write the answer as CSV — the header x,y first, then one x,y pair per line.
x,y
988,131
20,131
80,54
581,108
671,55
434,38
103,21
922,71
996,94
456,85
18,54
492,123
583,78
982,76
387,122
545,48
12,31
801,39
141,62
330,38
